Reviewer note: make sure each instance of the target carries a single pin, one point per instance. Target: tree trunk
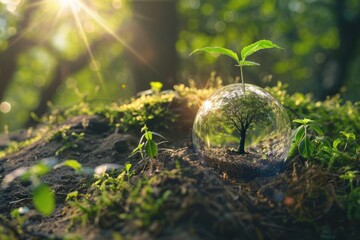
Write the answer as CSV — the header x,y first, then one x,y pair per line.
x,y
241,149
336,69
154,36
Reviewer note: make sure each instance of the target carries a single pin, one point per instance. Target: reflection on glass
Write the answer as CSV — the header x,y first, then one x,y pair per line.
x,y
241,134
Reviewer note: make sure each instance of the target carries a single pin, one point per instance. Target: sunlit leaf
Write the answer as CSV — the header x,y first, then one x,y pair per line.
x,y
305,148
128,167
70,163
249,63
349,136
259,45
39,169
218,50
148,135
144,128
43,199
317,129
299,134
336,143
151,148
71,195
304,121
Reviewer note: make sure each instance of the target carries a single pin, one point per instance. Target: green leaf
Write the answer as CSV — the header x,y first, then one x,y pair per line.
x,y
304,121
139,149
248,63
325,143
219,50
317,129
39,169
148,135
43,199
128,167
259,45
336,143
299,134
72,195
305,147
144,128
349,136
151,149
70,163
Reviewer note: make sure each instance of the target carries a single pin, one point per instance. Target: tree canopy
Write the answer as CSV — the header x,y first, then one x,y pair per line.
x,y
63,51
245,112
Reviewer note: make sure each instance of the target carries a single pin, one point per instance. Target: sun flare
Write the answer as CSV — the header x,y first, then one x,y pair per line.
x,y
67,3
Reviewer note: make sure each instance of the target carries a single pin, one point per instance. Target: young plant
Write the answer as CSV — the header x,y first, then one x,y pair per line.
x,y
147,147
42,196
245,52
302,140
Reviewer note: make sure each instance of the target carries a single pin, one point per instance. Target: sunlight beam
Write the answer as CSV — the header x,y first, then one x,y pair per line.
x,y
86,42
67,3
103,24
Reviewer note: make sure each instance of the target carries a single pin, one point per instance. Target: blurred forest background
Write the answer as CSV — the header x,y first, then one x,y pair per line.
x,y
61,51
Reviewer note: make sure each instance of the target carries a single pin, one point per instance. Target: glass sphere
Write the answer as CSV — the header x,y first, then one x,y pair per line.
x,y
243,134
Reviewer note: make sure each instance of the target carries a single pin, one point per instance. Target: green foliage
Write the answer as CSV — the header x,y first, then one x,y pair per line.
x,y
42,196
114,198
312,145
353,204
147,109
245,52
15,146
147,147
70,163
350,176
333,114
69,140
302,136
44,199
253,48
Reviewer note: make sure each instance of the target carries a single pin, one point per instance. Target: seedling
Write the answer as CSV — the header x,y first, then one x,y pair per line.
x,y
245,52
42,196
147,147
302,137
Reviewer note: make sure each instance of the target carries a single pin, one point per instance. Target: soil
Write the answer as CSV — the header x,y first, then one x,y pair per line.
x,y
241,166
205,203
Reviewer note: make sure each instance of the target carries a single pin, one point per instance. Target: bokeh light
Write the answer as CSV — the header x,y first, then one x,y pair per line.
x,y
5,107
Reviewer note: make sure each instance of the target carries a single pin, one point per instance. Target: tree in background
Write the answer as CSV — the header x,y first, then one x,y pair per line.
x,y
154,37
44,56
321,40
80,44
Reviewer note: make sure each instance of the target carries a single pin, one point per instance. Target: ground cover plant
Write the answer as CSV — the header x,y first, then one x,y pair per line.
x,y
103,192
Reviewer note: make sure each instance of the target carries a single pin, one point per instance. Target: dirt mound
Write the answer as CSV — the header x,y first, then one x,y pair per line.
x,y
174,196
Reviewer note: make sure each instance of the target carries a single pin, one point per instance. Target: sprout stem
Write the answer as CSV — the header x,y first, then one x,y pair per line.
x,y
242,78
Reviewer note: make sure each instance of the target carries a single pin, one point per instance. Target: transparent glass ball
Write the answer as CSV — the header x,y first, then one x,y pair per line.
x,y
242,134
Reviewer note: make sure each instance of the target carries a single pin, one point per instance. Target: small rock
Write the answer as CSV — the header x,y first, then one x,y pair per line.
x,y
121,146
